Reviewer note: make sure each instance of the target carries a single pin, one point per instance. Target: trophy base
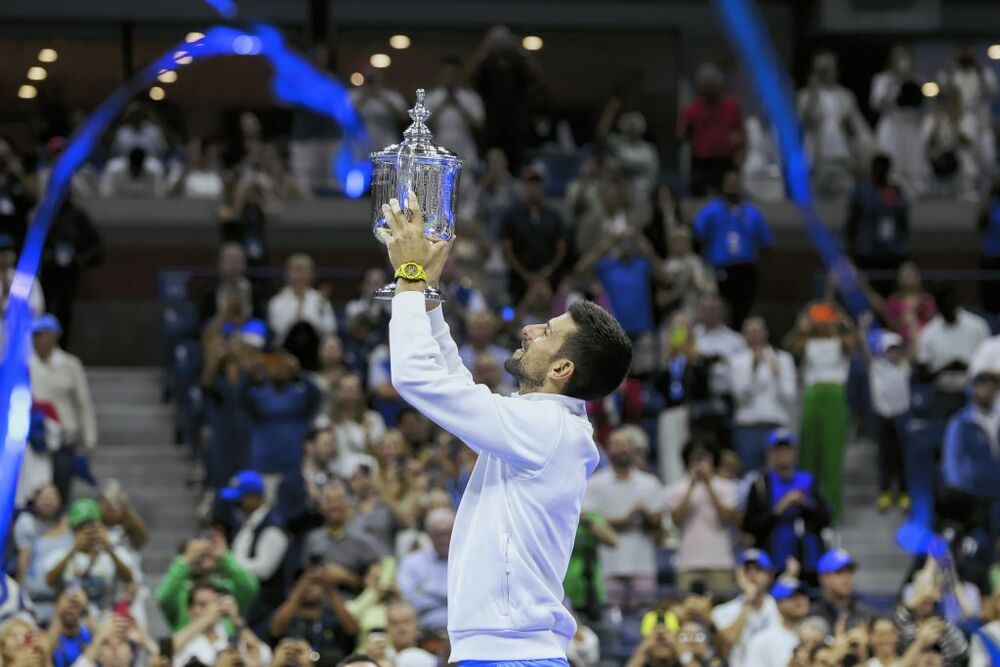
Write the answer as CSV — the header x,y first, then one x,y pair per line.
x,y
387,291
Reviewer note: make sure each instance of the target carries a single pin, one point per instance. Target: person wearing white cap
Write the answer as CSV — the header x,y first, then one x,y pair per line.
x,y
774,646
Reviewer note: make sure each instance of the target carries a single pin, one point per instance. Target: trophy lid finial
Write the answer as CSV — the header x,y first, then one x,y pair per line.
x,y
419,113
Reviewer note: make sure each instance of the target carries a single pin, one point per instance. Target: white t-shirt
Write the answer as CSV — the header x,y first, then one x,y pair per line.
x,y
206,650
96,574
613,498
724,343
890,387
451,129
824,362
706,542
987,357
773,647
940,343
758,620
355,437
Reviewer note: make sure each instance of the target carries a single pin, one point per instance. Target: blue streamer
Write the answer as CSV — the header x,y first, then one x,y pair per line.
x,y
295,82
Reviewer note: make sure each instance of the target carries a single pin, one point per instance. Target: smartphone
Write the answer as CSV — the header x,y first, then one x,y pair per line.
x,y
121,608
166,645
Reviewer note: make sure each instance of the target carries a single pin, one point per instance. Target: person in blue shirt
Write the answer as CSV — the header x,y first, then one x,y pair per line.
x,y
989,226
733,233
785,512
624,262
971,453
72,636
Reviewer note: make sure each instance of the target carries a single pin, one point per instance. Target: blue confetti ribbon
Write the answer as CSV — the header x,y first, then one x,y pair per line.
x,y
295,82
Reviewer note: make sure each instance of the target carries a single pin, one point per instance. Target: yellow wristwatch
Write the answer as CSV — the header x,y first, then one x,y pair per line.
x,y
411,271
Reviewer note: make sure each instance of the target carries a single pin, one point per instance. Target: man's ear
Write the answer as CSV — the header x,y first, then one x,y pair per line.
x,y
561,371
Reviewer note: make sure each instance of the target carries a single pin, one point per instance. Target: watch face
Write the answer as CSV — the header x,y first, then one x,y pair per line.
x,y
411,271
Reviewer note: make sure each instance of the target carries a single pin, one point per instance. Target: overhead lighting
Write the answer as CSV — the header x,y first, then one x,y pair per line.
x,y
37,73
399,42
358,79
167,76
993,53
182,58
156,93
930,89
48,55
193,37
380,60
532,43
27,92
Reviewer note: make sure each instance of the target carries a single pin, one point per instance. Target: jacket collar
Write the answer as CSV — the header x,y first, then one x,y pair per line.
x,y
575,405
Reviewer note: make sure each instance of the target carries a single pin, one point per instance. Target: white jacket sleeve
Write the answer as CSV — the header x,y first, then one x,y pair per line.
x,y
449,350
518,431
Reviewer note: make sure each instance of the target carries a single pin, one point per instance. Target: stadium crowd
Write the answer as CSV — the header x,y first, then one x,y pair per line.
x,y
709,533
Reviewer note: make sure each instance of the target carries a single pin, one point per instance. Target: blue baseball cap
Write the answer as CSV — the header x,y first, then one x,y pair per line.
x,y
245,482
835,560
786,588
757,556
46,323
781,436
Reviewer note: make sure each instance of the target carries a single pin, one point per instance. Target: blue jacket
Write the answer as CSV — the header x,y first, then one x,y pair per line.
x,y
280,417
971,462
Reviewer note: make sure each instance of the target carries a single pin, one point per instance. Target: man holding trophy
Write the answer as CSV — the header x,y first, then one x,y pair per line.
x,y
516,523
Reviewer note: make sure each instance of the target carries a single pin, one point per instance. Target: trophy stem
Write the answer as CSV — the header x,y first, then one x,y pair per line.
x,y
387,291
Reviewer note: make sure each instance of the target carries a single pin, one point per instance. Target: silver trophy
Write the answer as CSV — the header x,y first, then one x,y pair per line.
x,y
431,171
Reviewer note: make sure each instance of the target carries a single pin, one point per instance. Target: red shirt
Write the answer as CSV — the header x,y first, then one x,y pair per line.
x,y
712,126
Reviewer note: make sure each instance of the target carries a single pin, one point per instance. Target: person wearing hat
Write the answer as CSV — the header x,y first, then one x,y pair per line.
x,y
971,452
532,237
775,646
91,560
58,377
8,264
748,614
261,543
889,378
785,510
838,599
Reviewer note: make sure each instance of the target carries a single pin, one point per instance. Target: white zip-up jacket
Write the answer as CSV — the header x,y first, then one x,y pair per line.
x,y
516,524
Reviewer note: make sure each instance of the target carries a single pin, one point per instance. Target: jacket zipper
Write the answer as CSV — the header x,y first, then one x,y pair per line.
x,y
505,584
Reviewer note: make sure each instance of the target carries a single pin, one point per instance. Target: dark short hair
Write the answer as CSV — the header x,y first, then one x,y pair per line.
x,y
703,444
355,657
600,350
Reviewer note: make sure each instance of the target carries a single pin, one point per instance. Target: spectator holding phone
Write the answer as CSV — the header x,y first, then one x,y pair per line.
x,y
23,645
68,635
207,638
315,612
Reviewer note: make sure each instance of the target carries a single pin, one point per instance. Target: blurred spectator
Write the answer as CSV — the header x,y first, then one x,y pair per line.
x,y
315,137
403,634
482,329
487,371
878,224
658,649
14,198
230,320
261,543
979,650
764,389
508,83
457,112
889,383
976,88
918,623
702,506
636,158
945,348
896,96
611,219
497,191
125,526
785,513
733,233
337,543
332,368
19,634
135,175
584,581
366,303
423,574
774,646
316,613
631,500
281,404
583,194
14,602
749,614
231,266
118,641
57,377
689,279
717,344
8,264
378,514
584,648
91,560
533,238
838,602
201,175
83,183
989,226
823,340
204,557
625,405
72,246
836,135
357,427
207,640
416,429
139,131
950,146
666,219
971,451
382,109
69,637
682,377
326,460
713,123
761,165
384,397
299,301
38,533
909,308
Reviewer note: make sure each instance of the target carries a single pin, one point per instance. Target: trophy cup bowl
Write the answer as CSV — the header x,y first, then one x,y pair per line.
x,y
432,172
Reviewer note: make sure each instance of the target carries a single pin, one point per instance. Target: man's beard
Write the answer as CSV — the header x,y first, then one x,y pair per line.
x,y
525,383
